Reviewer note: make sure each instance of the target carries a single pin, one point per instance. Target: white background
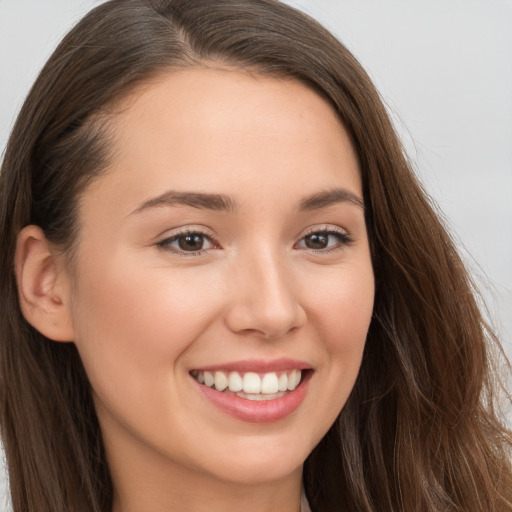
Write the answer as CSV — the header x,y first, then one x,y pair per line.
x,y
444,69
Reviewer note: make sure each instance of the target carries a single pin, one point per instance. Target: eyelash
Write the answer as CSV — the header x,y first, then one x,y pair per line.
x,y
343,240
165,244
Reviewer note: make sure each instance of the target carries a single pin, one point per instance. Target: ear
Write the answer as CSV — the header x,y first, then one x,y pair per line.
x,y
43,285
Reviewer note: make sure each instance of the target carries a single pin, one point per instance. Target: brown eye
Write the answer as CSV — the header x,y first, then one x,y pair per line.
x,y
191,242
325,240
188,242
317,241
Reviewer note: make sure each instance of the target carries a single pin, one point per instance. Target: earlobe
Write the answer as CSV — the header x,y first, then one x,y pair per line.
x,y
43,286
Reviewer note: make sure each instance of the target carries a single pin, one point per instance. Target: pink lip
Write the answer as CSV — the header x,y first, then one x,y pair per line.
x,y
258,366
256,411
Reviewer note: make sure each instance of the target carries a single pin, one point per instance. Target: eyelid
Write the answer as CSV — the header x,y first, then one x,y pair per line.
x,y
172,235
344,239
325,228
344,236
186,229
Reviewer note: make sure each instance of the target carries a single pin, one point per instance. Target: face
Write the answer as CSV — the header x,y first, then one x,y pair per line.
x,y
225,246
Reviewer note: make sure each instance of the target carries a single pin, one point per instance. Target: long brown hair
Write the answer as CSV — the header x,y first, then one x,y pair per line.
x,y
419,431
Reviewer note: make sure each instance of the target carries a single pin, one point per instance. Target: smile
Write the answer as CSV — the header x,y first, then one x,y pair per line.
x,y
251,385
255,391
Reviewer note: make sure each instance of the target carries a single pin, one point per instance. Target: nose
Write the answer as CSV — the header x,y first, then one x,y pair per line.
x,y
264,298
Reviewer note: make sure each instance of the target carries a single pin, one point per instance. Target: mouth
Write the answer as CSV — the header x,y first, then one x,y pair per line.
x,y
258,393
250,385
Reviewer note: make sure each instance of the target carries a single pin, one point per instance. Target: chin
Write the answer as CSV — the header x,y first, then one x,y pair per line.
x,y
255,462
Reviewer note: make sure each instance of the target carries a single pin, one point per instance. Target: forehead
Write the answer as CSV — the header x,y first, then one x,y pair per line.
x,y
225,131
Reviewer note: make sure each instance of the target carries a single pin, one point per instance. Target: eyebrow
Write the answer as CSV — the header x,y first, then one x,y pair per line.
x,y
202,201
223,203
328,198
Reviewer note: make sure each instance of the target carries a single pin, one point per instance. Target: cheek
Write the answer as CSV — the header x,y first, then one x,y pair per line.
x,y
133,321
343,311
343,306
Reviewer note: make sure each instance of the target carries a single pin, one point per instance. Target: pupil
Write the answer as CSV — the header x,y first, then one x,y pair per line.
x,y
317,241
192,242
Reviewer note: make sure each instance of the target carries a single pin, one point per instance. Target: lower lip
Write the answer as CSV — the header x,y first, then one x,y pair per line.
x,y
255,411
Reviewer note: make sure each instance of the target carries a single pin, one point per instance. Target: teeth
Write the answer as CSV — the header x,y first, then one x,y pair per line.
x,y
293,380
282,383
235,382
260,397
269,384
221,381
208,379
251,385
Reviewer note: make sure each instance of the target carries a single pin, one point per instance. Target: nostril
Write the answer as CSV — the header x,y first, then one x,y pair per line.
x,y
264,302
249,320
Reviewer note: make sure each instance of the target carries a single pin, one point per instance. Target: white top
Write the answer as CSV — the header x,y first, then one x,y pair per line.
x,y
304,505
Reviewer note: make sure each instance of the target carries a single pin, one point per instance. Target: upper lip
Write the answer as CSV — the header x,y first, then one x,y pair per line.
x,y
257,365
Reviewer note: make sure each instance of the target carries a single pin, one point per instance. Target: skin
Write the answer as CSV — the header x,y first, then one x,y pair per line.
x,y
143,314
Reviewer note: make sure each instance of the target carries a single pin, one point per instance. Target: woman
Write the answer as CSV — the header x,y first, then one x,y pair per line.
x,y
222,285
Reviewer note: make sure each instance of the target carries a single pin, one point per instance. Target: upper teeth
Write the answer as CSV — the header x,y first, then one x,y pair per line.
x,y
250,382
